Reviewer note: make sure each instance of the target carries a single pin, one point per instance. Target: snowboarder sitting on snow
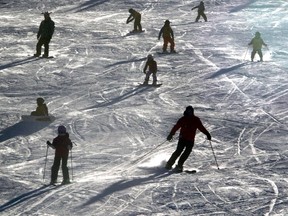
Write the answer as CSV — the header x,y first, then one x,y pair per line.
x,y
41,109
257,43
188,125
62,144
168,37
134,15
151,64
201,9
44,35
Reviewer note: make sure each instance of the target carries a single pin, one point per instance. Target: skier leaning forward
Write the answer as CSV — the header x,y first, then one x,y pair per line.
x,y
151,65
62,144
188,125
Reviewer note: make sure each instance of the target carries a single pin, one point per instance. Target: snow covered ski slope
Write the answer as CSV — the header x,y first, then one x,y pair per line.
x,y
120,128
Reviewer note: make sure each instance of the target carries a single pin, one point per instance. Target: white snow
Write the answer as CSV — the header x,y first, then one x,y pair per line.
x,y
91,86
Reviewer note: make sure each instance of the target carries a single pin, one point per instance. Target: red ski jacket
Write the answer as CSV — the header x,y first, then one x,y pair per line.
x,y
62,144
189,126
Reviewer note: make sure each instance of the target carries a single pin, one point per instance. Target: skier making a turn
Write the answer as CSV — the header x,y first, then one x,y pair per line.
x,y
188,125
41,109
257,43
151,64
136,16
168,37
62,144
201,9
44,35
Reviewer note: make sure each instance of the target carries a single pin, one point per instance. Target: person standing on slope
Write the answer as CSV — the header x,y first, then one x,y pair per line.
x,y
257,43
134,15
201,9
151,65
188,125
44,35
168,37
62,144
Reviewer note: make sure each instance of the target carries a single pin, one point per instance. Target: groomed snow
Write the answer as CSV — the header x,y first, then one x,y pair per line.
x,y
120,128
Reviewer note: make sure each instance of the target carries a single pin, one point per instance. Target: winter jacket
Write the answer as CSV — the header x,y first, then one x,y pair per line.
x,y
46,29
201,8
151,65
257,43
188,126
62,144
167,32
41,110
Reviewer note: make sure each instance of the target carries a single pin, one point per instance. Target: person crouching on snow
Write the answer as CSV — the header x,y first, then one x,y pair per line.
x,y
41,109
151,65
62,144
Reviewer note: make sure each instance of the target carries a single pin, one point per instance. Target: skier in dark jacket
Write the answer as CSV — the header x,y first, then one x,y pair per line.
x,y
41,109
151,65
201,9
44,35
168,37
188,125
136,16
257,43
62,144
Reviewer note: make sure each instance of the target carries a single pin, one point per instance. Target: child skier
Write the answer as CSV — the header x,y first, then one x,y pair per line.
x,y
168,37
151,64
201,9
188,125
134,15
44,35
62,144
257,43
41,109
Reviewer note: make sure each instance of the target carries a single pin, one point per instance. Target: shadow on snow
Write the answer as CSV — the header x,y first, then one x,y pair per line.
x,y
19,62
89,4
24,197
126,62
126,184
23,128
128,94
226,70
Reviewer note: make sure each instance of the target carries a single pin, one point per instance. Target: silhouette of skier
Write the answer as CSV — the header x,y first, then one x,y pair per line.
x,y
257,43
151,65
136,16
201,9
168,37
41,109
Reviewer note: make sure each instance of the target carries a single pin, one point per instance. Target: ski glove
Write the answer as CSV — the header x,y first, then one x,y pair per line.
x,y
169,137
50,144
208,136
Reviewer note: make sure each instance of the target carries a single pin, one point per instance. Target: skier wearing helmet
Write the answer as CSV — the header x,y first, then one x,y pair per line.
x,y
201,9
44,35
134,15
62,144
257,43
168,37
151,65
41,109
188,125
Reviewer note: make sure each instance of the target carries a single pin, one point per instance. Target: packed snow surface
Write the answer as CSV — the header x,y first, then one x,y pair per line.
x,y
119,128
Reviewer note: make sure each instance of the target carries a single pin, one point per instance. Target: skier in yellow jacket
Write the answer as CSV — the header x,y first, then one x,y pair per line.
x,y
257,43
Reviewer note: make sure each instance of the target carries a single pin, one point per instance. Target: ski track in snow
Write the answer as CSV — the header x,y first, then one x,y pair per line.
x,y
119,128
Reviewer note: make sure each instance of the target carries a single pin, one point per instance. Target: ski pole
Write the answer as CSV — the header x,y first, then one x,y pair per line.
x,y
45,163
71,166
214,154
143,156
246,53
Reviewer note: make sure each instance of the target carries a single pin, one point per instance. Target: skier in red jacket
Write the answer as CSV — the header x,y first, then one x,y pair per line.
x,y
188,125
62,144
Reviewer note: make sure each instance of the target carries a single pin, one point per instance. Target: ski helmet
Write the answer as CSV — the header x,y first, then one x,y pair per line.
x,y
189,111
149,57
131,10
167,22
61,129
257,34
40,100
